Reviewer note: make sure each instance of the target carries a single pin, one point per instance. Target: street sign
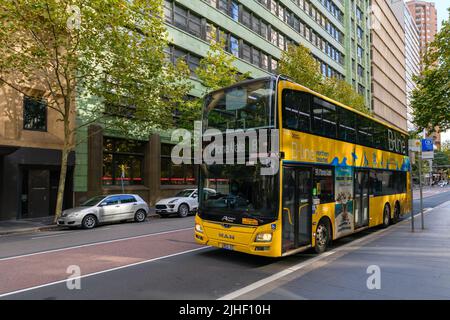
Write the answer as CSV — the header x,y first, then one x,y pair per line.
x,y
428,155
414,145
427,144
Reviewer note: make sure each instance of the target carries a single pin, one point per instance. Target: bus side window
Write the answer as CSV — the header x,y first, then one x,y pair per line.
x,y
324,118
296,110
347,131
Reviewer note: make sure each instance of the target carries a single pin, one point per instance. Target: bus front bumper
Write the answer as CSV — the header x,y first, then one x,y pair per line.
x,y
208,236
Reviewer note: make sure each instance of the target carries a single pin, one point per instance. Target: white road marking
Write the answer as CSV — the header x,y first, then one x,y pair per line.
x,y
101,272
51,236
70,233
285,272
94,244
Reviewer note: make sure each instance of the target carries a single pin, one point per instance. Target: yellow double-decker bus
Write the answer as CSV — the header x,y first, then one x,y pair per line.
x,y
340,172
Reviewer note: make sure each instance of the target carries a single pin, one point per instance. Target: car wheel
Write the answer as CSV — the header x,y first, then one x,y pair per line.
x,y
140,216
89,222
322,236
183,210
386,216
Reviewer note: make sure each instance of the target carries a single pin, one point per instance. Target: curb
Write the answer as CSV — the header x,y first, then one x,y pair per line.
x,y
50,227
29,230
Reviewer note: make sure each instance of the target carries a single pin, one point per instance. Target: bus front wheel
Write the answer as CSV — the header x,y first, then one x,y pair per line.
x,y
322,236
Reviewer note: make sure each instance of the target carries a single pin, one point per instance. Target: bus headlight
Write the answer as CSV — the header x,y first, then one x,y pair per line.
x,y
263,237
198,228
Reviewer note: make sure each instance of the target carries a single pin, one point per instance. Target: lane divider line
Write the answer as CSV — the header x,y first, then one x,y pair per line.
x,y
100,272
94,244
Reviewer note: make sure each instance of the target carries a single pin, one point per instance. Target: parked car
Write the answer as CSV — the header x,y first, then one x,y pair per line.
x,y
101,209
442,183
183,203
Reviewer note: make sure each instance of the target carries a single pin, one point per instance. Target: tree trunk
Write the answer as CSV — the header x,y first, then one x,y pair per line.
x,y
62,181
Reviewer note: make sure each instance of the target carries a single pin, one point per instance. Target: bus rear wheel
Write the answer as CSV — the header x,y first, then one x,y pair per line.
x,y
386,216
322,236
396,213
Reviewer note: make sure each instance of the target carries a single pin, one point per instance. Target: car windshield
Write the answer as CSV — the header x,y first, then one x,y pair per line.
x,y
240,190
93,201
184,193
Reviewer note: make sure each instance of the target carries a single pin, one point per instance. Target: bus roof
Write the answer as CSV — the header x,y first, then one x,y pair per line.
x,y
303,88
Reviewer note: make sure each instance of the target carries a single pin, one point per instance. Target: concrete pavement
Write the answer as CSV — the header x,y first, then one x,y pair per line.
x,y
412,266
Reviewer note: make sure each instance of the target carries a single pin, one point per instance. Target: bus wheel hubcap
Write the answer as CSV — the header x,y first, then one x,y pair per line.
x,y
321,235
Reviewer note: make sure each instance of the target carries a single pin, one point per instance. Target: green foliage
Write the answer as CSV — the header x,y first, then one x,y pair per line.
x,y
431,99
445,146
441,158
110,49
216,69
298,64
340,90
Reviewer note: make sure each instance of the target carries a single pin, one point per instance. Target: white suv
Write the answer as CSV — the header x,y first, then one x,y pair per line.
x,y
183,203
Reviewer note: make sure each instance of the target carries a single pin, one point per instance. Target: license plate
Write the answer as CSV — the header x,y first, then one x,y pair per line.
x,y
227,246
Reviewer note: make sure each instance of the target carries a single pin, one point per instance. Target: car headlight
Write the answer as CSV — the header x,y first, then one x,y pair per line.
x,y
198,228
74,214
263,237
173,201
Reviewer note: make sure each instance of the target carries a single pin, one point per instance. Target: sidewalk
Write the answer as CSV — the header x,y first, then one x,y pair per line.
x,y
37,224
26,225
428,191
412,266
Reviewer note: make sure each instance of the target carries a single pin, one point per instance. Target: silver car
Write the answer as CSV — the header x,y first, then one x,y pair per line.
x,y
102,209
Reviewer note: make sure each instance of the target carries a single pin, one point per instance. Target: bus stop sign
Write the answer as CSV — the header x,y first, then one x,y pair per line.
x,y
427,145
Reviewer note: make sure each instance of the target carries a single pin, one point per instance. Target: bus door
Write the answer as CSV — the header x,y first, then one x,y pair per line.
x,y
361,198
296,202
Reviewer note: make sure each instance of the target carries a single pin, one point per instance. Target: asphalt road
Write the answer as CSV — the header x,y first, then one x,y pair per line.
x,y
157,259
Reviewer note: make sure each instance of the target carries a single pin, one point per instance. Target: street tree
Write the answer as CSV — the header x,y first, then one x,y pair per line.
x,y
298,64
445,146
340,90
431,99
112,50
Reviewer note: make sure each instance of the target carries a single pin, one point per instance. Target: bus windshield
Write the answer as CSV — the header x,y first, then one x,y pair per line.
x,y
247,105
241,191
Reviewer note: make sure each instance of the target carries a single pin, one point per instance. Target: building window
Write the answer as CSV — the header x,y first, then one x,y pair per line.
x,y
172,174
246,53
234,11
180,17
34,114
234,46
123,161
273,65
